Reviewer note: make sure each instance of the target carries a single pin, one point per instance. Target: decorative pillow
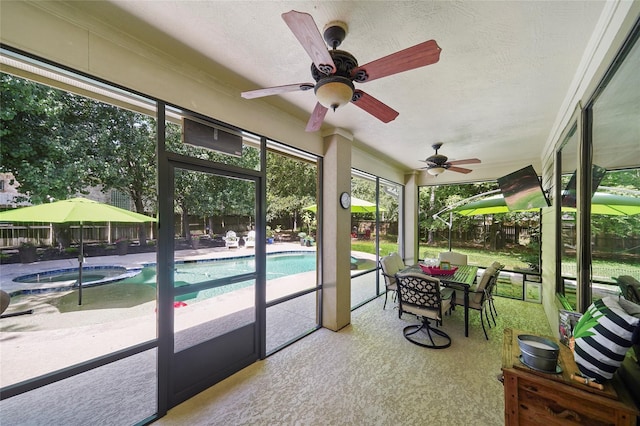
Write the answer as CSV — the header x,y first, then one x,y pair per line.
x,y
604,334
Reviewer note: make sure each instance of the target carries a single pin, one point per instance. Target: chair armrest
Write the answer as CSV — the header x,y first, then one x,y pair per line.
x,y
447,293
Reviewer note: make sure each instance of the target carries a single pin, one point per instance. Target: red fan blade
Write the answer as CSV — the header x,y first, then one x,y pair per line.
x,y
459,169
467,161
276,90
374,107
316,119
306,31
420,55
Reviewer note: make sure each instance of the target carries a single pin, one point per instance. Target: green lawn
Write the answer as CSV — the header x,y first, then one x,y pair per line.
x,y
601,268
476,256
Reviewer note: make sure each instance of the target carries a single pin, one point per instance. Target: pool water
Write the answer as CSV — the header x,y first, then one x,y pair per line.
x,y
108,287
90,275
278,265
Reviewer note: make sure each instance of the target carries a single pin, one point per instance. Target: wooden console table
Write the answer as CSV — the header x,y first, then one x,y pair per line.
x,y
533,397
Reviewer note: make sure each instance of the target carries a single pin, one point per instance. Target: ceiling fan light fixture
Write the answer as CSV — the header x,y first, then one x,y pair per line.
x,y
334,91
435,171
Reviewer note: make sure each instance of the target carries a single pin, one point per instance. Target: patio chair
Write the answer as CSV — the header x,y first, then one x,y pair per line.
x,y
231,240
391,265
630,288
453,257
250,241
479,296
420,295
492,307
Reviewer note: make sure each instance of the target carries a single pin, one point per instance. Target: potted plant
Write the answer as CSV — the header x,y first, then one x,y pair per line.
x,y
270,235
308,241
302,236
122,246
27,252
195,241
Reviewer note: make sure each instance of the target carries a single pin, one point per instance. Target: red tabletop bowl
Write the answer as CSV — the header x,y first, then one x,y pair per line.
x,y
432,270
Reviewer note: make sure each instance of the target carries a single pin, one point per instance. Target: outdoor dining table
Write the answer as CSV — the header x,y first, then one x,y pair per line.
x,y
462,279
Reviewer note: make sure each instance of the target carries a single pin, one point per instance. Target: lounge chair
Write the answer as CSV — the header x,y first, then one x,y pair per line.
x,y
231,240
250,241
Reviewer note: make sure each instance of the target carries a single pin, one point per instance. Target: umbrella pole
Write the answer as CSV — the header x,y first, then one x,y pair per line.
x,y
80,262
450,226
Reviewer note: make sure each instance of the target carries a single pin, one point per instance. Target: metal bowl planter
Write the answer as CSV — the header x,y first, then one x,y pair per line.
x,y
539,353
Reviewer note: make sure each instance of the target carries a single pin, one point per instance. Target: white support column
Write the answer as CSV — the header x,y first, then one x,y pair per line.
x,y
336,223
411,254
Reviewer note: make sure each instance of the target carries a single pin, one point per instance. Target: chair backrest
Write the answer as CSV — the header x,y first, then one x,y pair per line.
x,y
489,274
420,294
630,288
231,234
390,267
497,265
493,281
453,257
251,235
399,262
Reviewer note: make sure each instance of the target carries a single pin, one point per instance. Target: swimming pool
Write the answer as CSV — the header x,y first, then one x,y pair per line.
x,y
187,273
117,279
64,279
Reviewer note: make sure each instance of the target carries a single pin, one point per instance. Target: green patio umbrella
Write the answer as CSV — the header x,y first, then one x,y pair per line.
x,y
490,205
601,203
357,206
611,204
75,210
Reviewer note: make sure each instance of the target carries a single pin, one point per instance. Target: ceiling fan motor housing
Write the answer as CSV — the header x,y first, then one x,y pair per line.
x,y
344,61
438,159
335,89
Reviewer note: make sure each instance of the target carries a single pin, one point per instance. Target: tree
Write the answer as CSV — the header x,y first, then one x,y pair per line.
x,y
126,144
291,186
434,199
46,139
57,144
207,195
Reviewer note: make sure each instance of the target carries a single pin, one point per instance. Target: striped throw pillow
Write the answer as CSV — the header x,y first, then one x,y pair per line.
x,y
604,334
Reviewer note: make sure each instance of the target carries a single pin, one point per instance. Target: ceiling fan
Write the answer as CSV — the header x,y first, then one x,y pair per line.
x,y
437,163
334,71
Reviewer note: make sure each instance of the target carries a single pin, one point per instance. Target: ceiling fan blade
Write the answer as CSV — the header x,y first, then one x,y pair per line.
x,y
420,55
459,169
374,107
316,119
276,90
467,161
306,31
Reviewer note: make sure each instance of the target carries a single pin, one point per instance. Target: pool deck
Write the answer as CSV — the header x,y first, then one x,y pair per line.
x,y
49,340
11,271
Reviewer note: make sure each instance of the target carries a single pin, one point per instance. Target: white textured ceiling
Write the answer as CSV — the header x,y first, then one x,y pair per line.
x,y
504,71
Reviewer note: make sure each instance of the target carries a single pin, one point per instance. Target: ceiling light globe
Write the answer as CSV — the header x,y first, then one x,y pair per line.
x,y
334,91
435,171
